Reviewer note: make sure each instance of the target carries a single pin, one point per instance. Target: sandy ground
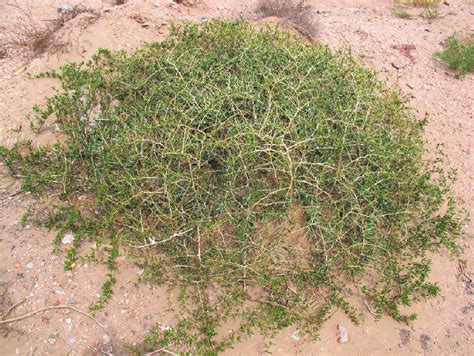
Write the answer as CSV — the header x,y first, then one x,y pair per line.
x,y
29,270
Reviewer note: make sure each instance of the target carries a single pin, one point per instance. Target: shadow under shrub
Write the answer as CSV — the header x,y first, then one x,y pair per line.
x,y
270,181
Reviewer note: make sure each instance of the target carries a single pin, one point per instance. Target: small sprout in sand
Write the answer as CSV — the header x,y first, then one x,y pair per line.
x,y
458,54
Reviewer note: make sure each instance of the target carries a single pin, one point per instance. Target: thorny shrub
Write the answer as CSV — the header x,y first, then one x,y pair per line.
x,y
268,180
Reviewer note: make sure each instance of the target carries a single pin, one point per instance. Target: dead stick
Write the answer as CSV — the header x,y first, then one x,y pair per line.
x,y
11,195
153,242
461,267
51,308
370,310
161,350
11,308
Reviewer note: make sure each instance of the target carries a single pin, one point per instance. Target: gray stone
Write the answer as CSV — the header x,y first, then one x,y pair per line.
x,y
404,337
424,341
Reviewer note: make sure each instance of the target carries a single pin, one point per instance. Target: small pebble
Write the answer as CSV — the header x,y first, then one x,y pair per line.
x,y
296,335
72,301
106,338
29,265
68,321
64,8
343,334
67,239
71,340
165,327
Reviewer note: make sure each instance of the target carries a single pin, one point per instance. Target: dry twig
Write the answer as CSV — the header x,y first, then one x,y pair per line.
x,y
463,272
11,308
161,350
39,35
369,309
55,307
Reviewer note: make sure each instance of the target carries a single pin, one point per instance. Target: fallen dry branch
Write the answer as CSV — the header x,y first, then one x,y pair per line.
x,y
36,35
54,307
11,308
463,271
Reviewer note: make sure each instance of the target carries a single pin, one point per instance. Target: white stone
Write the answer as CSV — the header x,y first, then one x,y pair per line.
x,y
343,334
296,335
67,239
65,8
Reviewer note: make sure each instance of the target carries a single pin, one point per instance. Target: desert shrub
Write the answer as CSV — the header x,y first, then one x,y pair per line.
x,y
295,12
187,2
430,13
269,180
458,55
420,3
430,8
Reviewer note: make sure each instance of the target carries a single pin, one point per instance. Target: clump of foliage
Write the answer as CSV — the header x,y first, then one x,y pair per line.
x,y
402,14
420,3
269,180
430,8
430,13
458,55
